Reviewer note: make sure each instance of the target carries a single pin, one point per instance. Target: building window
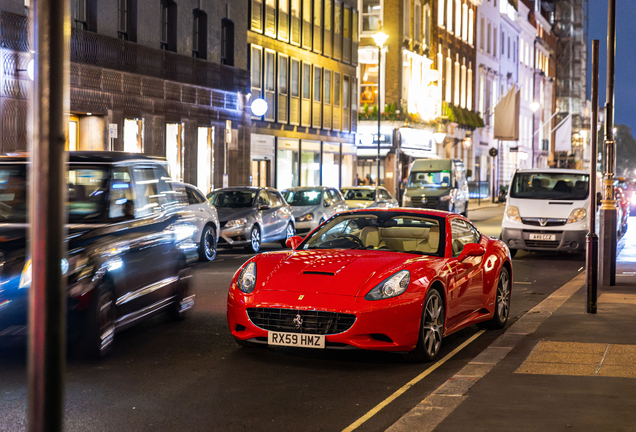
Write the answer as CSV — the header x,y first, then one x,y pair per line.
x,y
270,18
345,103
122,19
327,42
295,22
256,12
449,78
326,99
417,21
305,119
79,14
168,25
503,45
317,99
283,20
336,101
488,39
440,13
307,24
458,18
337,30
256,69
270,83
465,22
456,84
371,15
283,87
494,41
482,23
471,24
317,26
200,34
294,111
407,18
227,42
427,25
346,43
449,16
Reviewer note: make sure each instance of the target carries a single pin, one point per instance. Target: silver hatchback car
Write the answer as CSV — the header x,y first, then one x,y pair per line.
x,y
250,216
311,206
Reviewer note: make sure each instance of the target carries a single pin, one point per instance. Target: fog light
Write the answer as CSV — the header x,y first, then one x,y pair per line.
x,y
574,245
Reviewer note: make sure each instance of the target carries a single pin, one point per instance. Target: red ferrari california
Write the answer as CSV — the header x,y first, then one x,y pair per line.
x,y
390,280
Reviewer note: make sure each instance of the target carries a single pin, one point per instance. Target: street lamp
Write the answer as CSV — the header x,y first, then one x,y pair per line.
x,y
380,38
439,135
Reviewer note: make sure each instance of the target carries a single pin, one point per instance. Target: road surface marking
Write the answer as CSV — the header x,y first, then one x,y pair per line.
x,y
410,384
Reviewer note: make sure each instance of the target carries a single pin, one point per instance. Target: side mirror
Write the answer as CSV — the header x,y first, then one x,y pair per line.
x,y
294,241
471,250
263,207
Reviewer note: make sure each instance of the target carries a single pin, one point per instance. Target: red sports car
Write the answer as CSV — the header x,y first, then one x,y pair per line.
x,y
391,280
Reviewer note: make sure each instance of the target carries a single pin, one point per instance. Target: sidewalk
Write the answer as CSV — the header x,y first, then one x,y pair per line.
x,y
556,368
475,204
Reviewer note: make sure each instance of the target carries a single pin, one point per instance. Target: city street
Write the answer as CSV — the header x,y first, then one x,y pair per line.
x,y
167,376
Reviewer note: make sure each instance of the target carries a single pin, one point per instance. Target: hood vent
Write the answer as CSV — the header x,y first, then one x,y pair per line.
x,y
319,273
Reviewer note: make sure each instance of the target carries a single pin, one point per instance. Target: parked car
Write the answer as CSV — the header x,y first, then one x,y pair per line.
x,y
206,221
396,280
250,216
358,197
129,247
437,184
311,206
547,210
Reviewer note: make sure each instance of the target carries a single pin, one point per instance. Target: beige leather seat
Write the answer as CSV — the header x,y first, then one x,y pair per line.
x,y
370,236
432,243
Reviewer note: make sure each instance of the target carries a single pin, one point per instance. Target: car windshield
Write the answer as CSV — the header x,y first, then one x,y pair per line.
x,y
86,197
547,185
306,197
435,179
359,194
232,198
386,231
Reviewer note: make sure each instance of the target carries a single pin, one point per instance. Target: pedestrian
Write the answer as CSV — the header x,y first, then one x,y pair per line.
x,y
369,181
357,180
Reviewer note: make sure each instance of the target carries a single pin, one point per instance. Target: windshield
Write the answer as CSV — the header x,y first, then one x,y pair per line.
x,y
359,194
232,198
430,179
307,197
547,185
86,197
387,231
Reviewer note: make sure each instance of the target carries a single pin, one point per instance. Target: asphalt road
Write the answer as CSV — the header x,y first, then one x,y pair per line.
x,y
167,376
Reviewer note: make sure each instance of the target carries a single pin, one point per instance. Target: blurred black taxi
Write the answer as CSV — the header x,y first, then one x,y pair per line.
x,y
129,246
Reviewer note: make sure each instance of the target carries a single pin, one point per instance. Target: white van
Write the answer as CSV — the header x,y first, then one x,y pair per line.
x,y
547,209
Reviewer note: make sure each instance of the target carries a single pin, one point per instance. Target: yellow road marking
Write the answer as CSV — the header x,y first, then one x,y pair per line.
x,y
410,384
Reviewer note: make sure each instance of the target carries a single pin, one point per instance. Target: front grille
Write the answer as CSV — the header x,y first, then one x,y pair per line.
x,y
543,243
431,202
311,321
546,222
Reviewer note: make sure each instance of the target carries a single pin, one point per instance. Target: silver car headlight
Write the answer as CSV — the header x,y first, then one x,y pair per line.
x,y
390,287
577,215
306,218
247,279
406,200
236,223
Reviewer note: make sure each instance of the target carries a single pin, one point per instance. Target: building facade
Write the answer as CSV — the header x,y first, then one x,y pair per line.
x,y
302,60
160,78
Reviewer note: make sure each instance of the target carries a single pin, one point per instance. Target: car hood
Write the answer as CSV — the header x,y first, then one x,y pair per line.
x,y
358,204
226,213
544,208
299,211
329,271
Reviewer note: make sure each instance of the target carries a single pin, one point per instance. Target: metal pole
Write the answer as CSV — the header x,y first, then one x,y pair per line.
x,y
608,204
379,110
47,216
479,185
591,265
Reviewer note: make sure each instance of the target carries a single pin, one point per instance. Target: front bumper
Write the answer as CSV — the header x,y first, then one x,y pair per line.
x,y
574,240
383,325
235,236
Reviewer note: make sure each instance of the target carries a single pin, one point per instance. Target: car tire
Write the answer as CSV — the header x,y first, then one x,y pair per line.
x,y
255,240
502,301
289,233
96,340
431,329
207,246
184,297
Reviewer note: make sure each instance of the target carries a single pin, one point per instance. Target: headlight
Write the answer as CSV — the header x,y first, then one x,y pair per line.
x,y
236,223
26,277
577,215
307,217
512,213
390,287
247,279
406,200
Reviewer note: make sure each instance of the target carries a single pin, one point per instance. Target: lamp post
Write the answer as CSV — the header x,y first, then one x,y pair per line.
x,y
380,38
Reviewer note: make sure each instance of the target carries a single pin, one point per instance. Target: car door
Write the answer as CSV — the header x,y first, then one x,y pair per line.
x,y
281,215
268,216
466,285
197,207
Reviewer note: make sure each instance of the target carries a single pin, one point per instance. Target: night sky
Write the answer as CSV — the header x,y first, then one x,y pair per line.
x,y
625,85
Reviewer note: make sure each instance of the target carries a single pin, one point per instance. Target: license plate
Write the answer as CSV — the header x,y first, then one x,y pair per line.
x,y
296,340
549,237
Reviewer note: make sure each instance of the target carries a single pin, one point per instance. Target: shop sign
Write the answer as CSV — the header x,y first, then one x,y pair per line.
x,y
368,137
419,139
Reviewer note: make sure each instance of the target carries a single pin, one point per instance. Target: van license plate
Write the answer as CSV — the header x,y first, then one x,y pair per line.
x,y
548,237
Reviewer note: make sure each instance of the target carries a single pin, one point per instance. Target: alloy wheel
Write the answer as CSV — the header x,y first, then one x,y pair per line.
x,y
209,244
503,296
255,239
433,326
